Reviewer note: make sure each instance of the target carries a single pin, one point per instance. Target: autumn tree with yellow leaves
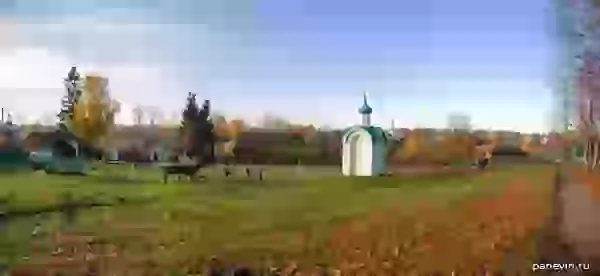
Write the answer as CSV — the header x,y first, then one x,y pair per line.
x,y
228,134
451,148
458,147
236,127
94,114
413,146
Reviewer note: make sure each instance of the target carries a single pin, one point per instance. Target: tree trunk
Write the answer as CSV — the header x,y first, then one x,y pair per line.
x,y
595,155
587,154
592,153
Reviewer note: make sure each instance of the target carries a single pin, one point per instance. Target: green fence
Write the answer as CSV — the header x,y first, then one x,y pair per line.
x,y
13,159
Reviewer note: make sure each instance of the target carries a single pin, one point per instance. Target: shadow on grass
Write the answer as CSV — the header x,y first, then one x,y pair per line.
x,y
67,203
118,179
402,181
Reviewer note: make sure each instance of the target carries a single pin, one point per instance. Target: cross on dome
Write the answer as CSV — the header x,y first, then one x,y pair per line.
x,y
365,109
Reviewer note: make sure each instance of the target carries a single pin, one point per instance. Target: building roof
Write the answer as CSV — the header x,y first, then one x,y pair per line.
x,y
4,127
10,136
51,136
378,135
258,137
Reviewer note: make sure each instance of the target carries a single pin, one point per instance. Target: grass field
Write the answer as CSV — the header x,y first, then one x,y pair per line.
x,y
307,215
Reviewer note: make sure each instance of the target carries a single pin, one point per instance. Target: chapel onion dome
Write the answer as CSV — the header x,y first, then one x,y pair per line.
x,y
365,109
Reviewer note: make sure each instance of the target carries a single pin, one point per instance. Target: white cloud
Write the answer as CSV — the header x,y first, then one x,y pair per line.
x,y
99,38
37,52
31,75
32,68
8,31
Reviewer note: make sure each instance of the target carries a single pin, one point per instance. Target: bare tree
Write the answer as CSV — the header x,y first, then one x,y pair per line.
x,y
275,122
138,115
160,116
174,118
48,119
18,118
459,121
325,128
579,23
588,106
590,132
155,115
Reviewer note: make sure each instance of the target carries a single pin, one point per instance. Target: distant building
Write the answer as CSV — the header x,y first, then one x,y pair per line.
x,y
49,141
151,141
10,134
12,155
508,138
482,136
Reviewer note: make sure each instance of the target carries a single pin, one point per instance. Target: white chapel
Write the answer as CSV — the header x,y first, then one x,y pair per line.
x,y
364,147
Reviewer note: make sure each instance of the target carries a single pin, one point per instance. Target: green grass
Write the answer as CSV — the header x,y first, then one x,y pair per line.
x,y
222,216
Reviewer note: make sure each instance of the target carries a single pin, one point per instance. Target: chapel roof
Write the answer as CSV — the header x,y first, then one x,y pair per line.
x,y
379,135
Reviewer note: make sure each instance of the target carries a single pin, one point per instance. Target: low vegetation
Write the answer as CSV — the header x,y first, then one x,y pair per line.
x,y
306,218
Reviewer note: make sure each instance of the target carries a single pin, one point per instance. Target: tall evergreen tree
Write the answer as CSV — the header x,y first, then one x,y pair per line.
x,y
197,130
207,131
190,113
69,100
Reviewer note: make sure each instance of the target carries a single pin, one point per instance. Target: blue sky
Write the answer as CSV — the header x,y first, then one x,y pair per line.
x,y
306,60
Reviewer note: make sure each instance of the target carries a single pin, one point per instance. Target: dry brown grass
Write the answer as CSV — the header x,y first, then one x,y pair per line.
x,y
475,236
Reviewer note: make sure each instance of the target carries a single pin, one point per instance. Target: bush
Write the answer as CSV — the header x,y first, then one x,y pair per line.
x,y
133,155
579,150
285,156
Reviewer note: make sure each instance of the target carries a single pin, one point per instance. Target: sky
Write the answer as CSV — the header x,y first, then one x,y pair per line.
x,y
309,61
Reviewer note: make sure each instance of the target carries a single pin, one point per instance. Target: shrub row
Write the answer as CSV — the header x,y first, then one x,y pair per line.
x,y
305,155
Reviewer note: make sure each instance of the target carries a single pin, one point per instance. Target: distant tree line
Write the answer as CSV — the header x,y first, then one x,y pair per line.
x,y
290,147
308,155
